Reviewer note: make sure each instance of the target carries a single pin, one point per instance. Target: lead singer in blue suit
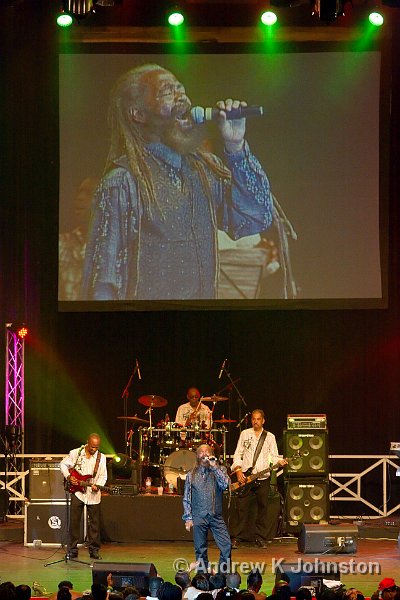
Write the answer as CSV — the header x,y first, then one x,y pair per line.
x,y
202,504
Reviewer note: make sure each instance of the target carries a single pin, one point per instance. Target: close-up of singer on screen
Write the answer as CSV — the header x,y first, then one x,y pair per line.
x,y
164,196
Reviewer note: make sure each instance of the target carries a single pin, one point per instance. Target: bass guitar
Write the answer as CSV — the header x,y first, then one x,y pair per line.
x,y
83,483
239,488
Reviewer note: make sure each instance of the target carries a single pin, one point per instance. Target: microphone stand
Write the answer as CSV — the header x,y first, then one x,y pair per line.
x,y
232,384
125,396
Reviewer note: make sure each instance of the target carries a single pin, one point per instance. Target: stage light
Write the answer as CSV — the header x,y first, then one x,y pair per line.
x,y
18,328
376,18
22,332
64,20
268,18
175,17
122,466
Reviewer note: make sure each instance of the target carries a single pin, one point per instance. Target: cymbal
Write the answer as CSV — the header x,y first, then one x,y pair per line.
x,y
154,401
213,398
223,420
135,419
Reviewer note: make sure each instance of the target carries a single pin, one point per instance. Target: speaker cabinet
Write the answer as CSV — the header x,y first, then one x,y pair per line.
x,y
124,574
328,539
46,523
46,481
306,501
310,575
307,452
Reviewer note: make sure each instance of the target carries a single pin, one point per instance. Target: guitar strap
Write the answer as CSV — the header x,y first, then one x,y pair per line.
x,y
77,458
96,466
259,446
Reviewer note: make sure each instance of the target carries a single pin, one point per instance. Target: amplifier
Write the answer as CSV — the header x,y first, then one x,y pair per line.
x,y
124,490
46,481
306,422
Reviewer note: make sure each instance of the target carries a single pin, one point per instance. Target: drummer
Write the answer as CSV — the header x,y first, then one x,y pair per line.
x,y
194,413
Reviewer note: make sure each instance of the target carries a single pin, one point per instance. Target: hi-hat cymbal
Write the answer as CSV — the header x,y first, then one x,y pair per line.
x,y
213,398
223,420
135,419
154,401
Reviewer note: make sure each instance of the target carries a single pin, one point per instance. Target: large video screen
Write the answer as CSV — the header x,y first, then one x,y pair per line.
x,y
219,180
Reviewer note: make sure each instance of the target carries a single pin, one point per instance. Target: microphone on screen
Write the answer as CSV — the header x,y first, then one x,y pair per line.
x,y
201,115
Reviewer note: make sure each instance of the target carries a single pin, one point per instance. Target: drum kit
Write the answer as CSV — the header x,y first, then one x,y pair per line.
x,y
167,451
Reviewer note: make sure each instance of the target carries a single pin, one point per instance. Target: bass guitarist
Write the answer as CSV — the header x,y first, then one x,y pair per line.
x,y
85,471
256,451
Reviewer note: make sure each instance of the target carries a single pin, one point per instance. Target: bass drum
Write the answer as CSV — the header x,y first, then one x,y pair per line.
x,y
176,466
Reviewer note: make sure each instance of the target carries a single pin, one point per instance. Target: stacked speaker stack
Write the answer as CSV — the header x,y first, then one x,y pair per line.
x,y
305,446
46,512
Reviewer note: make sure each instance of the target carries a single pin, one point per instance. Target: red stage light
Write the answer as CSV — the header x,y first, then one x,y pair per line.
x,y
22,332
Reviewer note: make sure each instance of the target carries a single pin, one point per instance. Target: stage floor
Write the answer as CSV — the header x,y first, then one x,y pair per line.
x,y
22,564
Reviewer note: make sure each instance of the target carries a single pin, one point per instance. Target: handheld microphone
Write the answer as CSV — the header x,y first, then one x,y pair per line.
x,y
222,369
138,369
201,115
211,459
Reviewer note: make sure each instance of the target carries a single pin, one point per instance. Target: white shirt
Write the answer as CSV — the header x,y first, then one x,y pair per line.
x,y
202,414
246,447
78,460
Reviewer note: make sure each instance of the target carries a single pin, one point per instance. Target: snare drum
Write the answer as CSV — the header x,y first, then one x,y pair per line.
x,y
177,464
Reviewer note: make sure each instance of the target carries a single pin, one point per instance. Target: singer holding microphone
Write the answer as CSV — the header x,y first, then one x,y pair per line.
x,y
202,508
157,209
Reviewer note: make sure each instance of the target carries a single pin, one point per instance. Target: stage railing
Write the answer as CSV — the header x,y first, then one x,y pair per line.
x,y
352,485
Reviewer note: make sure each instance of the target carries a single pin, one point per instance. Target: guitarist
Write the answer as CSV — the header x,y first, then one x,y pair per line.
x,y
256,451
76,467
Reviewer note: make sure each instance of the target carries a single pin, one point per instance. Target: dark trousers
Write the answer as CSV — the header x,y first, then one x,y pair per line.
x,y
261,492
219,530
93,525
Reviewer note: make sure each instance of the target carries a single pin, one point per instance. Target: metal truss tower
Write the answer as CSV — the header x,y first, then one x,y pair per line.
x,y
14,479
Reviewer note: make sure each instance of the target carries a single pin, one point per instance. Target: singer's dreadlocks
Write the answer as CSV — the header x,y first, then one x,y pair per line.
x,y
126,138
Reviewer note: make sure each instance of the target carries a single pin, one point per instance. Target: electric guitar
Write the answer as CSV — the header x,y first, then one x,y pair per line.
x,y
243,489
83,484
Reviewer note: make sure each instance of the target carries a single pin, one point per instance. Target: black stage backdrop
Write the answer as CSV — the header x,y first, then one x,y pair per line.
x,y
344,363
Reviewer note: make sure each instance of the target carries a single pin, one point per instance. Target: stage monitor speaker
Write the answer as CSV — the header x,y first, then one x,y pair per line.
x,y
46,481
124,574
306,501
46,523
310,576
328,539
307,452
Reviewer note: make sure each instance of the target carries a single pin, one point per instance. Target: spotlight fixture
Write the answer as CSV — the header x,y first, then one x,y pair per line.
x,y
64,20
122,466
19,328
268,17
376,18
175,16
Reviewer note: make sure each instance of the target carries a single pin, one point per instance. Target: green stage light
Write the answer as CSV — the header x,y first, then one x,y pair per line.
x,y
376,19
268,18
175,18
64,20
